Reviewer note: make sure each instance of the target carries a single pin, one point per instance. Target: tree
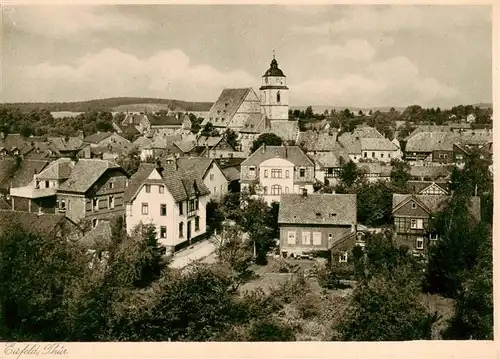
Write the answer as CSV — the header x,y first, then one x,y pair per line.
x,y
473,318
349,174
195,123
232,138
309,113
386,307
385,304
130,161
400,175
209,130
268,139
37,272
374,203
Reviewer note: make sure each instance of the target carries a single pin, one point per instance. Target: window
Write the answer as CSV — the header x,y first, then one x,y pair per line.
x,y
163,232
265,173
111,202
95,222
306,237
330,237
291,237
145,209
111,185
413,205
181,208
275,189
420,243
148,188
302,172
276,173
287,174
317,238
381,155
197,223
215,190
161,189
417,224
433,236
373,154
163,210
251,169
181,229
47,184
278,97
364,155
62,205
343,257
95,204
212,176
389,155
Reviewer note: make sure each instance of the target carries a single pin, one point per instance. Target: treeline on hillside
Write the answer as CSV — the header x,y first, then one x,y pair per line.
x,y
42,123
108,104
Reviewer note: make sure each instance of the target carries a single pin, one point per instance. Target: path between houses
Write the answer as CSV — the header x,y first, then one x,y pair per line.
x,y
198,251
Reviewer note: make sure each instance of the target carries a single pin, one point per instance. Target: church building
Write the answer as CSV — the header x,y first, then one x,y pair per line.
x,y
250,115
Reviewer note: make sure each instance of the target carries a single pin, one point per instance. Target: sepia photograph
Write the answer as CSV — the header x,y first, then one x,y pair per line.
x,y
245,173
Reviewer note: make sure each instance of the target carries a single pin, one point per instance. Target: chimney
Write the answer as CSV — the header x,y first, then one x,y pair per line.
x,y
304,192
286,151
264,148
176,164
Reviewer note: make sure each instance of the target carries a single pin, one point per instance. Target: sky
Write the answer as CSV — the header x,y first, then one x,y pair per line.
x,y
332,55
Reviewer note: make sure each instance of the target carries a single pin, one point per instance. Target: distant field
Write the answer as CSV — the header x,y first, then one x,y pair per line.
x,y
59,114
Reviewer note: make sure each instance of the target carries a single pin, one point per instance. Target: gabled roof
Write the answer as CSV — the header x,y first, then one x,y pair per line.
x,y
431,172
57,170
350,143
430,203
85,173
227,105
317,141
231,173
137,179
24,175
181,184
209,141
97,137
431,141
438,186
142,141
417,186
66,143
13,140
254,123
287,130
44,224
366,132
433,203
376,168
328,159
7,170
98,237
293,154
200,165
169,120
185,146
330,209
377,144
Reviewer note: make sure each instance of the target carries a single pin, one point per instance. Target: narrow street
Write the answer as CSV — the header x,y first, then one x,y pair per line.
x,y
198,251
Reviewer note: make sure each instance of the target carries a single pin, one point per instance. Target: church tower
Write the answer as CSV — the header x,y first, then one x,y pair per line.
x,y
274,94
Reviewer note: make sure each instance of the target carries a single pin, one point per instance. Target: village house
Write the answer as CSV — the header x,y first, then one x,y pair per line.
x,y
70,147
440,187
209,171
39,195
172,200
413,214
16,172
314,222
158,146
231,167
93,191
375,171
275,170
105,139
56,225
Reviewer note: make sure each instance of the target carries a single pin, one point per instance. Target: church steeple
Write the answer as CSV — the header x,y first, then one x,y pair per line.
x,y
274,92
